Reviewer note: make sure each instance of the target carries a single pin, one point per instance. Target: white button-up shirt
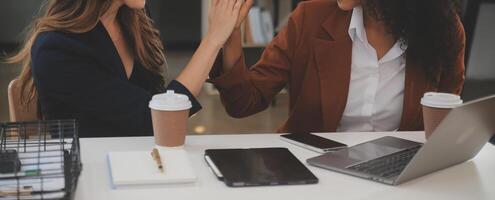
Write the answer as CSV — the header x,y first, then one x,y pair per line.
x,y
376,90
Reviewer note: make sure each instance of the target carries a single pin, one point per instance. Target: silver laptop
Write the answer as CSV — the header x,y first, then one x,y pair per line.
x,y
460,136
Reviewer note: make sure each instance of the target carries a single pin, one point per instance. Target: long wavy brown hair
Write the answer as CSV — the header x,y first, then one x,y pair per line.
x,y
80,16
430,29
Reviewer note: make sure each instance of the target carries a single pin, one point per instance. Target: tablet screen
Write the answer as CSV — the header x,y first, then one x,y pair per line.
x,y
264,166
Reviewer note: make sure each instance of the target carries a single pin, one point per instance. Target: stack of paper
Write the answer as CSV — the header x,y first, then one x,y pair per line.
x,y
41,175
139,168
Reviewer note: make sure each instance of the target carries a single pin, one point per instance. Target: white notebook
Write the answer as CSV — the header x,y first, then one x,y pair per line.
x,y
139,168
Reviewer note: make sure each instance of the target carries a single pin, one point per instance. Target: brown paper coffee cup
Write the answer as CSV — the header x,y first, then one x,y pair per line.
x,y
169,113
432,118
169,127
436,106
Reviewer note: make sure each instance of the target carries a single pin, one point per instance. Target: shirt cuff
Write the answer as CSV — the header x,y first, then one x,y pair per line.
x,y
226,80
181,89
217,69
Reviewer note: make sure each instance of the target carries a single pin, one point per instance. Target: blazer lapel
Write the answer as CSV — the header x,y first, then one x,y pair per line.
x,y
333,59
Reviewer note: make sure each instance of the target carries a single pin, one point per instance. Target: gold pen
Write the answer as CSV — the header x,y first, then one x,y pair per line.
x,y
156,156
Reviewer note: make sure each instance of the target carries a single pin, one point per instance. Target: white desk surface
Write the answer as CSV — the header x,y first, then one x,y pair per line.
x,y
474,179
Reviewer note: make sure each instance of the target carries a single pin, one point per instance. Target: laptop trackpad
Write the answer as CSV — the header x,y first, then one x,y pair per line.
x,y
332,160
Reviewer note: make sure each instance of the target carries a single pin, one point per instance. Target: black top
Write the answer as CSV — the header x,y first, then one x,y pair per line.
x,y
81,76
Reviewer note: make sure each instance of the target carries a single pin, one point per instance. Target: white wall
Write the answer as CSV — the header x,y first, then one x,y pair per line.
x,y
204,17
481,64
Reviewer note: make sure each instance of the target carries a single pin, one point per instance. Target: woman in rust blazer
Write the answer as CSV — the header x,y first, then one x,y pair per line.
x,y
313,57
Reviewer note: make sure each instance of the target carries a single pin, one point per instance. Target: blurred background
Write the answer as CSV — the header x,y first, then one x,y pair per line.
x,y
182,24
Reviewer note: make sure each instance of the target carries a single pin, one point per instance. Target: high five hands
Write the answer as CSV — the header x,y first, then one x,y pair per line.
x,y
246,6
224,17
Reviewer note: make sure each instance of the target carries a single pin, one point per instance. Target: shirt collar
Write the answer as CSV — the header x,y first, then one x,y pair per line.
x,y
356,27
396,51
357,31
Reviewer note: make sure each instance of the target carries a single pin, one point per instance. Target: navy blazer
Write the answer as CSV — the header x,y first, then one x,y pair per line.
x,y
81,76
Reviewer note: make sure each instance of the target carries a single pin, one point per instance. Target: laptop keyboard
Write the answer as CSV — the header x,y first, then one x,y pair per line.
x,y
388,166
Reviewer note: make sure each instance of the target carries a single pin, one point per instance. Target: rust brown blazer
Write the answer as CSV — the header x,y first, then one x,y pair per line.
x,y
312,56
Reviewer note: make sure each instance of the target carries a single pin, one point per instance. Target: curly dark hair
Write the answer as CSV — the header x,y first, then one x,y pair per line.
x,y
429,28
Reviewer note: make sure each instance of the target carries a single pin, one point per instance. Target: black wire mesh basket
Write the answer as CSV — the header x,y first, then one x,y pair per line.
x,y
39,160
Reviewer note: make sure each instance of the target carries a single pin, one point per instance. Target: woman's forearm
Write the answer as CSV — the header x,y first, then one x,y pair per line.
x,y
196,72
232,50
222,20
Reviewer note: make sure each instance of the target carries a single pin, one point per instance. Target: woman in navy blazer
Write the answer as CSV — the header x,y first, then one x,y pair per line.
x,y
100,62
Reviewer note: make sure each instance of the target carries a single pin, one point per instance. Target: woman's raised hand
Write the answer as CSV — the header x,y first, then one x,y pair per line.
x,y
223,18
246,6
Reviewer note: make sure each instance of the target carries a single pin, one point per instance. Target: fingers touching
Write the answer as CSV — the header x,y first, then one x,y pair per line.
x,y
231,6
237,6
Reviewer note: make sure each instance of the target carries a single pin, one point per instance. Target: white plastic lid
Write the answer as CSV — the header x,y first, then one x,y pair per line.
x,y
163,148
441,100
170,101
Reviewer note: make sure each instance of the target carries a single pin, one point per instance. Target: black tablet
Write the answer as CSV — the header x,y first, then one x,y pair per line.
x,y
258,167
